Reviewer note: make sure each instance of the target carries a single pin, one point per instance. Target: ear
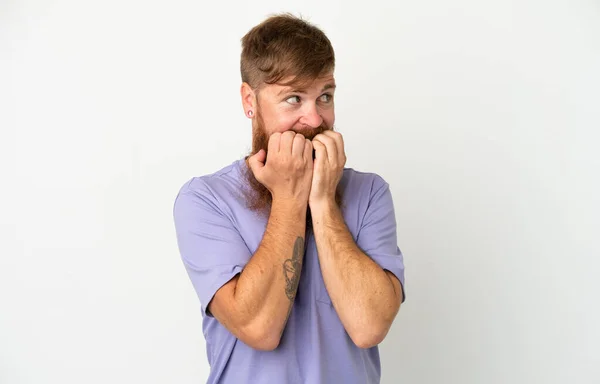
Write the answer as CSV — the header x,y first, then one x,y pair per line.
x,y
248,99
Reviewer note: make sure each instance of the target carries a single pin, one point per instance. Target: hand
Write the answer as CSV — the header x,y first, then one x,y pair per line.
x,y
287,170
329,162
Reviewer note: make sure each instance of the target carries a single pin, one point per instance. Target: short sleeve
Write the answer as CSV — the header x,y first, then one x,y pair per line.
x,y
377,236
211,248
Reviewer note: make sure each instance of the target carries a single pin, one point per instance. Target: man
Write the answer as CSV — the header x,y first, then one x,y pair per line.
x,y
293,257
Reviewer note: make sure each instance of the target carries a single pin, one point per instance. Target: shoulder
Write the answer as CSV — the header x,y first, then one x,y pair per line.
x,y
362,183
224,177
212,187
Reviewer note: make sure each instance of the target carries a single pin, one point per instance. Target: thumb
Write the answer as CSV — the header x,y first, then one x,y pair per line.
x,y
257,161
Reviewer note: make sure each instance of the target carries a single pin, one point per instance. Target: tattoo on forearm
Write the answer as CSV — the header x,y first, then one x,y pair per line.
x,y
291,269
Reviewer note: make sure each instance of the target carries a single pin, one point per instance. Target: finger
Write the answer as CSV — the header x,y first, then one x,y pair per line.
x,y
308,150
257,161
320,152
339,141
336,136
298,145
331,148
287,139
274,142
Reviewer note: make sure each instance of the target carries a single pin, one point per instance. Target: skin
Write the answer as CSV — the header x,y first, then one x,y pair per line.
x,y
255,305
284,111
365,296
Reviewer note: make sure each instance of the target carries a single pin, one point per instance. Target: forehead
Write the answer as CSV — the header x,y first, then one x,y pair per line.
x,y
317,85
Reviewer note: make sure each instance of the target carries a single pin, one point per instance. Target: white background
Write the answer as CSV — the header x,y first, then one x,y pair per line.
x,y
482,115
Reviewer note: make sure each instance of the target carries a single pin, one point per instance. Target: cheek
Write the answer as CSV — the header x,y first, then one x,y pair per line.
x,y
329,118
284,122
277,120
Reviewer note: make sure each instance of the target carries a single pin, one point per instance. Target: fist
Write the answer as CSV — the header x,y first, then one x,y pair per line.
x,y
286,169
329,162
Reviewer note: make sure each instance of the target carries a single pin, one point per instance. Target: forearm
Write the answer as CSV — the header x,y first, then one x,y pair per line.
x,y
362,293
266,288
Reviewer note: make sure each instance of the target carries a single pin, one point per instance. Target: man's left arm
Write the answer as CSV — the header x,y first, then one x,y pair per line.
x,y
365,296
358,275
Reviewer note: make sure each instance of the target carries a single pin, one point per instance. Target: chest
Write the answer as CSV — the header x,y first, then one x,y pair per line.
x,y
311,287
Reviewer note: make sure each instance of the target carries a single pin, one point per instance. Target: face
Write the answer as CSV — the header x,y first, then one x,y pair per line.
x,y
277,108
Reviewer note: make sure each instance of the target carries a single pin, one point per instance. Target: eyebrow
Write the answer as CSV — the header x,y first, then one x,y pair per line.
x,y
300,90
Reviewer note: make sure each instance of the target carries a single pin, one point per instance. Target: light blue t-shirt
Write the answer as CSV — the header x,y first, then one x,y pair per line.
x,y
217,235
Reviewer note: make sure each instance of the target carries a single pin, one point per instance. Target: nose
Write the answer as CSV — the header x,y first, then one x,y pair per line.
x,y
311,116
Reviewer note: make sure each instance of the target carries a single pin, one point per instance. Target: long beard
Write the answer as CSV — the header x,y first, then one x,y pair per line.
x,y
258,197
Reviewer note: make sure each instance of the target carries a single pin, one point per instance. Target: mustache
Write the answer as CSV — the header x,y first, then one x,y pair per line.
x,y
260,139
310,133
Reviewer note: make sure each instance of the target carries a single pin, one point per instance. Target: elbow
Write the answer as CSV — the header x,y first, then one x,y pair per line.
x,y
368,338
266,342
261,337
370,333
373,329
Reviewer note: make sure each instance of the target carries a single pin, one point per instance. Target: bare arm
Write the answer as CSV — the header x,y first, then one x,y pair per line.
x,y
365,296
255,305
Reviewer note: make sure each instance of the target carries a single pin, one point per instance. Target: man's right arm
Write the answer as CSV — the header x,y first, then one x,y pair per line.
x,y
250,295
254,306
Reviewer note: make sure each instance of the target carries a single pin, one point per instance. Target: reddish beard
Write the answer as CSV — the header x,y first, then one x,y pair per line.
x,y
258,197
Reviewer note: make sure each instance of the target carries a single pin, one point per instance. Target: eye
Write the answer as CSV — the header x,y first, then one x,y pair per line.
x,y
326,97
293,99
